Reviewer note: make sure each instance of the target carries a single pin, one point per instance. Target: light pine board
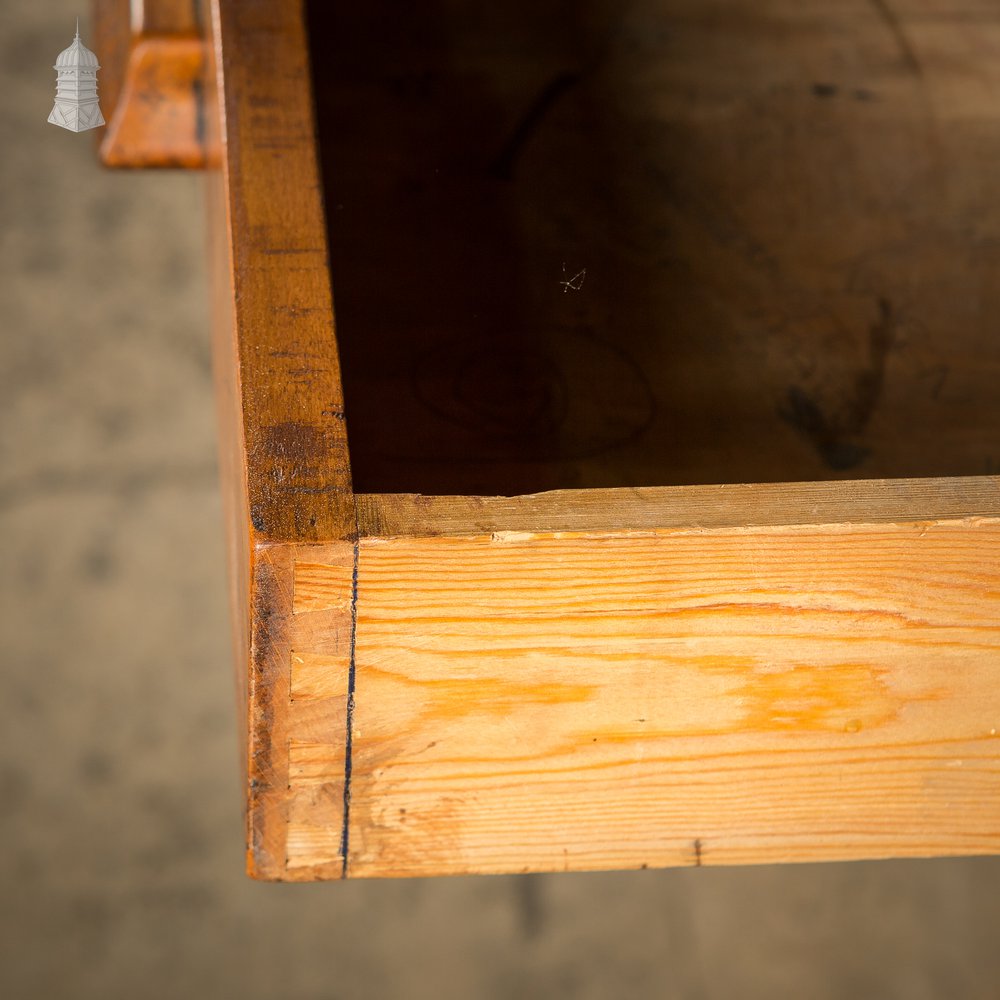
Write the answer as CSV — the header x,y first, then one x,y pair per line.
x,y
584,700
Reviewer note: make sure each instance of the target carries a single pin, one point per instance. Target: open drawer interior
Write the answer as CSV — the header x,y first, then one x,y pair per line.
x,y
662,242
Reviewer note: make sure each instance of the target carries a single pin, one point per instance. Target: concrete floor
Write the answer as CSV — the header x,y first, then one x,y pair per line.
x,y
120,827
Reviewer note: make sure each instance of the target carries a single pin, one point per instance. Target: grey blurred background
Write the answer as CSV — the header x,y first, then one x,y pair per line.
x,y
121,861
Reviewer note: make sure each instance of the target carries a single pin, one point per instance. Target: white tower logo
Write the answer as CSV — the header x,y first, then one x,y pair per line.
x,y
76,106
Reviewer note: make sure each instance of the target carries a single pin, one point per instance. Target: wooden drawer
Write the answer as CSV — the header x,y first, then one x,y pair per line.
x,y
641,509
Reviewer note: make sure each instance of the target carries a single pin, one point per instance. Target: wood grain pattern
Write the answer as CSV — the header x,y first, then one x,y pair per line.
x,y
299,666
624,677
719,506
297,467
285,470
607,700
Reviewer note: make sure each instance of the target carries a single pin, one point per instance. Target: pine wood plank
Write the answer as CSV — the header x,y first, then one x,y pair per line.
x,y
655,695
299,664
568,700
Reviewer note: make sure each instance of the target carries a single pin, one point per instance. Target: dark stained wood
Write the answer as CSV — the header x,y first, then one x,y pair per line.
x,y
295,445
788,215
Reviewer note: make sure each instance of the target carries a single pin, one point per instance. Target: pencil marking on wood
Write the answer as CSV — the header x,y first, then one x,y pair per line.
x,y
348,741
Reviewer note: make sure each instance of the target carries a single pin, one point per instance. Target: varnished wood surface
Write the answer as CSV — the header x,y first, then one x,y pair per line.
x,y
152,84
284,460
787,213
574,700
296,463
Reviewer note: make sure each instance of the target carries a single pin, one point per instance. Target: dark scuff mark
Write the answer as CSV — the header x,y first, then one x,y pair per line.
x,y
697,852
294,440
333,489
294,312
832,434
503,166
257,518
806,416
826,91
